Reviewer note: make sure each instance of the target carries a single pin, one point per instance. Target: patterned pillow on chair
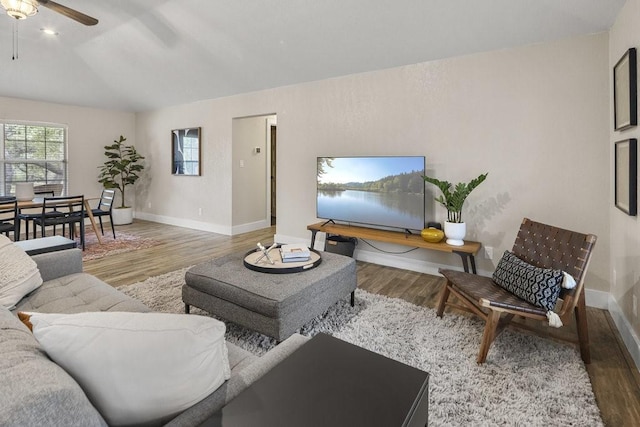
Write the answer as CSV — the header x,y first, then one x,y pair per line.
x,y
539,286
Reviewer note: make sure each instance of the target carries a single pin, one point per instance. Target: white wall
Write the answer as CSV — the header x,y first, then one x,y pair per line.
x,y
89,131
535,118
625,230
200,202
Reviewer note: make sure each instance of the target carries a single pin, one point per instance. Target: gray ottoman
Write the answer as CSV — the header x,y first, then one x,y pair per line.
x,y
273,304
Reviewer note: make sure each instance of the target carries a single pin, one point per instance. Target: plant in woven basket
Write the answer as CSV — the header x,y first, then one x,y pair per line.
x,y
122,167
453,197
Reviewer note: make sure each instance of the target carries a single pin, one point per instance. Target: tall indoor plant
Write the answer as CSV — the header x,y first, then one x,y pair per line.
x,y
121,169
452,198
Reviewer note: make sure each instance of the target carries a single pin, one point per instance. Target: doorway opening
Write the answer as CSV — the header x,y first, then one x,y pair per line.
x,y
272,131
254,178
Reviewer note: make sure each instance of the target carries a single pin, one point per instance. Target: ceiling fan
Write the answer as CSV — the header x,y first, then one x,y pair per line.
x,y
21,9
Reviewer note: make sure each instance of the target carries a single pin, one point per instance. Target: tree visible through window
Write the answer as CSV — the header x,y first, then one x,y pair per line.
x,y
33,153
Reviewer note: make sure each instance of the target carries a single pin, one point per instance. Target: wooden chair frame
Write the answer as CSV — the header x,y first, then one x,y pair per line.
x,y
540,245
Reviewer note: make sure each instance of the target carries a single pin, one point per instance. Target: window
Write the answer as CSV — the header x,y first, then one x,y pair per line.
x,y
33,153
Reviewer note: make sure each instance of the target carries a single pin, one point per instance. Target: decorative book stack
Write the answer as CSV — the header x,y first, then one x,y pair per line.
x,y
295,253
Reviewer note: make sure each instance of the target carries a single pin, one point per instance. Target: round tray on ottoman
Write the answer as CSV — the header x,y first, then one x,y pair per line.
x,y
255,260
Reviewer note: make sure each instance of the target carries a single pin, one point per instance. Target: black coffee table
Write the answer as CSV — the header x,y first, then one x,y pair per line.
x,y
329,382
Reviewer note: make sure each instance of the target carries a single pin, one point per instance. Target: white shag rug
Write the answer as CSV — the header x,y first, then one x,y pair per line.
x,y
526,381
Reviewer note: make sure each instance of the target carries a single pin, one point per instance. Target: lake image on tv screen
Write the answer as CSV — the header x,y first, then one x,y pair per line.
x,y
384,191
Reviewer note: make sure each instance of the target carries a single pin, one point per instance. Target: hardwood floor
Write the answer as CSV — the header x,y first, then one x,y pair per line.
x,y
615,379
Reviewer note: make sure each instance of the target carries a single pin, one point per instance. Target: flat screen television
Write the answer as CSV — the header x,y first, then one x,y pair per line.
x,y
383,191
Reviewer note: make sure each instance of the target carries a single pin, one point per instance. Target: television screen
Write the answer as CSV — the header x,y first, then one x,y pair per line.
x,y
377,191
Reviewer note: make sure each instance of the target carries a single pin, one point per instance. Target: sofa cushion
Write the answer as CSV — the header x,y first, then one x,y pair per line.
x,y
35,391
19,274
77,293
137,368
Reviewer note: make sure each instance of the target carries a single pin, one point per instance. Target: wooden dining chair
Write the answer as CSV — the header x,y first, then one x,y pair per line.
x,y
524,285
63,211
9,222
104,208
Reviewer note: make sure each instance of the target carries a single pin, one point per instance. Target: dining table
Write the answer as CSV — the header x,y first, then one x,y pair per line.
x,y
37,202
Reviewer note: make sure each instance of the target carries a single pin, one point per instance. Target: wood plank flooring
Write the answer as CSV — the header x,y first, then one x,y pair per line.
x,y
615,379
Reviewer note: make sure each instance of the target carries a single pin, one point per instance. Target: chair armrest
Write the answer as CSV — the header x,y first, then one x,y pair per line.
x,y
53,265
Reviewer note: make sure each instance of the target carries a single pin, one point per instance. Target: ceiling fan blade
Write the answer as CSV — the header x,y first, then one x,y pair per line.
x,y
68,12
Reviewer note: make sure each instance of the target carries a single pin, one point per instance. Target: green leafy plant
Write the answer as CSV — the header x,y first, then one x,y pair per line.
x,y
453,200
122,167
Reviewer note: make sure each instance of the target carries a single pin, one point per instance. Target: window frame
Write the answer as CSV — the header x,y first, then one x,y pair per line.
x,y
7,186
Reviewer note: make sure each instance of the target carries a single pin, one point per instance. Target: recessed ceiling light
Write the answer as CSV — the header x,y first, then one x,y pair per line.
x,y
49,31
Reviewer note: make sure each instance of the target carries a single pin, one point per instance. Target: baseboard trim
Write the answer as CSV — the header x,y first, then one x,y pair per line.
x,y
596,299
194,225
203,226
629,337
252,226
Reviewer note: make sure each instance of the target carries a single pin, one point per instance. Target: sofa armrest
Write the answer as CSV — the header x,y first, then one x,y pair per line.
x,y
53,265
264,364
204,409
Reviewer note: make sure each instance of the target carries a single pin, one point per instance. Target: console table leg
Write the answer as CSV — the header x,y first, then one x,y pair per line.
x,y
187,309
473,264
353,299
313,238
465,261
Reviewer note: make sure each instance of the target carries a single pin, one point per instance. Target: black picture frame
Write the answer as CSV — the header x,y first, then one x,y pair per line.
x,y
626,176
625,98
186,153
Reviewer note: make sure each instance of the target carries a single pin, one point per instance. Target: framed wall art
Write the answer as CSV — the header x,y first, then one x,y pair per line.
x,y
185,151
626,176
625,98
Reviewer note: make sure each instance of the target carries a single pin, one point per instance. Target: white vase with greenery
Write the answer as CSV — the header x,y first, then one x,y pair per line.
x,y
122,169
452,198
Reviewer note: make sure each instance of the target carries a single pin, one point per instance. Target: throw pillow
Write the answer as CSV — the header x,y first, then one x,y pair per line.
x,y
538,286
19,274
137,368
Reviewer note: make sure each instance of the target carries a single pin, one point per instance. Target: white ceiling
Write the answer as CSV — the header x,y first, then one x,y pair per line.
x,y
145,54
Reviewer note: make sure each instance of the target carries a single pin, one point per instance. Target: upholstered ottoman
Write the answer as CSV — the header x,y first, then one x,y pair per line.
x,y
273,304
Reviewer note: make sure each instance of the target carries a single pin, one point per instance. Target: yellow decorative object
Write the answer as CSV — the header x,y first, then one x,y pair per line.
x,y
432,235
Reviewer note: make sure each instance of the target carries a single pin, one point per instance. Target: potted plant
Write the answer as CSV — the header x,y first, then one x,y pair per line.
x,y
121,169
452,198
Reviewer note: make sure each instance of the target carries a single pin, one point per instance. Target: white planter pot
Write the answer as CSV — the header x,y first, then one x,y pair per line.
x,y
122,216
455,232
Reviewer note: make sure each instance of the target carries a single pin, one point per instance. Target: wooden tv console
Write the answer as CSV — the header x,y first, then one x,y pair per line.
x,y
466,252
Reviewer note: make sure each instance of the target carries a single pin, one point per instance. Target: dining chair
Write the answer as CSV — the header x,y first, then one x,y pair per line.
x,y
67,210
55,189
104,208
8,217
29,216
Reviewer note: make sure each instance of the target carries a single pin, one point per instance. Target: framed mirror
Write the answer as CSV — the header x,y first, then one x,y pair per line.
x,y
185,151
